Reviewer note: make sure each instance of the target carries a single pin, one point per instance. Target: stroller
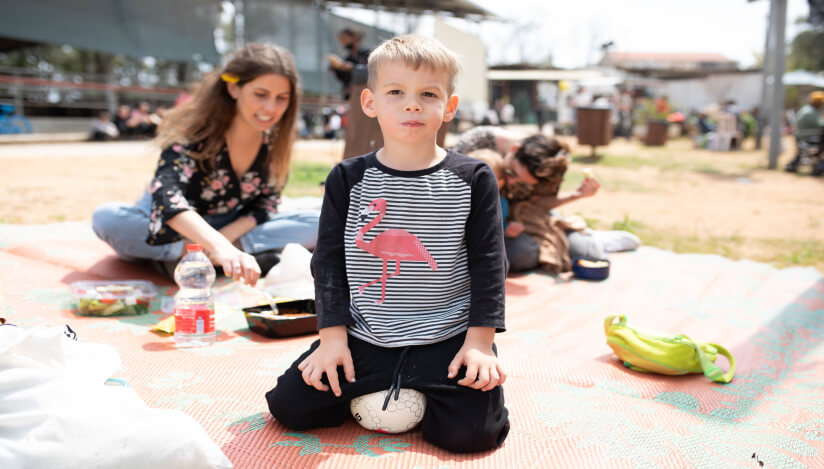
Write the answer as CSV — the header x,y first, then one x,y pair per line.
x,y
810,151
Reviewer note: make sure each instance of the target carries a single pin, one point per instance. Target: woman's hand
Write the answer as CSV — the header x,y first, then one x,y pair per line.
x,y
236,264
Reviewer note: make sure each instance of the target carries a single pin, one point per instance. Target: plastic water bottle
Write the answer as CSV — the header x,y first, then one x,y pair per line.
x,y
194,302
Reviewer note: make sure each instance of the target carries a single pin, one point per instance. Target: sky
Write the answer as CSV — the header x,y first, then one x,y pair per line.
x,y
571,32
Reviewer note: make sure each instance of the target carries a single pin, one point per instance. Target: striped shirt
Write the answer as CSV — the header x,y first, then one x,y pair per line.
x,y
410,257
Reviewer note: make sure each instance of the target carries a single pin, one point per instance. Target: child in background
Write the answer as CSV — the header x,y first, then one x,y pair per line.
x,y
409,267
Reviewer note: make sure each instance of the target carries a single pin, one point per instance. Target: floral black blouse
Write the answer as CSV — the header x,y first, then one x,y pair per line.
x,y
182,183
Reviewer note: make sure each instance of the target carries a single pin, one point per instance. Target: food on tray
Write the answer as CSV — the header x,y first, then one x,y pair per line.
x,y
292,318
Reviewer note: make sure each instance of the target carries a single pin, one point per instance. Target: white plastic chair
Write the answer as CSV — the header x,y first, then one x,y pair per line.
x,y
727,135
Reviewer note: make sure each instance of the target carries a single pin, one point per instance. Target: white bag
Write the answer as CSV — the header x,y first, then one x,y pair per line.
x,y
55,411
292,276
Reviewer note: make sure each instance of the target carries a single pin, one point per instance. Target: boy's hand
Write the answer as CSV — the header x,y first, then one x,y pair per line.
x,y
483,371
513,229
331,352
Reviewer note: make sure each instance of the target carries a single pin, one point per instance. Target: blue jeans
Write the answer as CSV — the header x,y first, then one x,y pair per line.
x,y
523,252
125,227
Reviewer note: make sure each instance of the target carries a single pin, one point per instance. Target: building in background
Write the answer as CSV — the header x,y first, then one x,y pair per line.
x,y
183,35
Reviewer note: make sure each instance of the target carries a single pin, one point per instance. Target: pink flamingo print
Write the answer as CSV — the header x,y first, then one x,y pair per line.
x,y
394,244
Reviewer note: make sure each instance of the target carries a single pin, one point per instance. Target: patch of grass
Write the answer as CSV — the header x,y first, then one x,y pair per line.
x,y
573,179
57,218
805,255
592,223
787,252
612,161
709,170
628,224
778,252
615,185
306,178
9,220
667,161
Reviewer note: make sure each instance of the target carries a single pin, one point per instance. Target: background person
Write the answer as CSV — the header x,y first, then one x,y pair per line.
x,y
103,129
225,160
350,40
140,121
809,126
121,120
535,169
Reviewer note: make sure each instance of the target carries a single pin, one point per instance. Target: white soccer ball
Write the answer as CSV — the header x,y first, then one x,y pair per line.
x,y
400,416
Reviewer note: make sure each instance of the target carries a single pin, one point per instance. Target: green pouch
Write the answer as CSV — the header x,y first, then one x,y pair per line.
x,y
679,355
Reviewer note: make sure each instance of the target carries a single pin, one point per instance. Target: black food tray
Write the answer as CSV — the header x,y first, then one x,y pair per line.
x,y
283,325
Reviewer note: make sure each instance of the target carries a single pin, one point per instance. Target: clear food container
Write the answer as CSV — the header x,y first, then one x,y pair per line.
x,y
113,297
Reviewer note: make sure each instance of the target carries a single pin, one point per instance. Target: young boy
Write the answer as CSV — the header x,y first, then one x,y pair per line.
x,y
409,267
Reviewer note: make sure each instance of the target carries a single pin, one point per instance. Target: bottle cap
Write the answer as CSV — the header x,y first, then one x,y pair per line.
x,y
194,247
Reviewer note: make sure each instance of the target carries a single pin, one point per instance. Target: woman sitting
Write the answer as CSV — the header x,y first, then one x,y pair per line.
x,y
224,162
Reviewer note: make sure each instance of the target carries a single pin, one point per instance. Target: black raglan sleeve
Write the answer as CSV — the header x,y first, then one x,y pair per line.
x,y
485,249
329,258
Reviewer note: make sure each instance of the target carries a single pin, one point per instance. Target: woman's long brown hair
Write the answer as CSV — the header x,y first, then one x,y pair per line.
x,y
210,113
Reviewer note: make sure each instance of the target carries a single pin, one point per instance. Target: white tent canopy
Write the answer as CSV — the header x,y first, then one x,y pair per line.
x,y
803,77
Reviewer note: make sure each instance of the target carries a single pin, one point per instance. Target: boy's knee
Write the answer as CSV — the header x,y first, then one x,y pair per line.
x,y
468,439
301,411
286,412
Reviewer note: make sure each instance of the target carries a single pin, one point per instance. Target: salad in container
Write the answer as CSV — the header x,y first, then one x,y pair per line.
x,y
113,297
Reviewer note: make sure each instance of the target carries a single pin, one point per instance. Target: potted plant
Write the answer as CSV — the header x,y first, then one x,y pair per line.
x,y
653,114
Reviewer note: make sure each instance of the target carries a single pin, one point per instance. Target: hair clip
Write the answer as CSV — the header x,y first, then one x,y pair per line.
x,y
229,77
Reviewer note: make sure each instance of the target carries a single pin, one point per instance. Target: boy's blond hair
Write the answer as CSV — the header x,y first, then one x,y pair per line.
x,y
491,158
415,51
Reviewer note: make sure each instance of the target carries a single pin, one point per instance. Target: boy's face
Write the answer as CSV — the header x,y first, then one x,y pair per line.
x,y
410,104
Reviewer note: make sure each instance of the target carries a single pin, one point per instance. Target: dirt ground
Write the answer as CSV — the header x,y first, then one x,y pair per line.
x,y
674,197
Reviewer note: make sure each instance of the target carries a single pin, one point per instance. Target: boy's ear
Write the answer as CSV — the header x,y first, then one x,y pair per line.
x,y
451,108
367,102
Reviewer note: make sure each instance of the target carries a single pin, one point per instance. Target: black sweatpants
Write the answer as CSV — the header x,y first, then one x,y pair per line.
x,y
457,418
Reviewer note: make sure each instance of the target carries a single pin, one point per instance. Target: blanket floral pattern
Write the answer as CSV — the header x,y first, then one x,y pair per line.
x,y
571,402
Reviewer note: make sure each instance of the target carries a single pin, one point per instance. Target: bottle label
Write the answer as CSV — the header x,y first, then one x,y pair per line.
x,y
194,320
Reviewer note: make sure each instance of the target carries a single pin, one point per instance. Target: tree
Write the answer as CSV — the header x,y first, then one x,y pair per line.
x,y
806,52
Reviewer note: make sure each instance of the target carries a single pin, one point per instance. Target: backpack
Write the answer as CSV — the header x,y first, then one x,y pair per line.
x,y
679,355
